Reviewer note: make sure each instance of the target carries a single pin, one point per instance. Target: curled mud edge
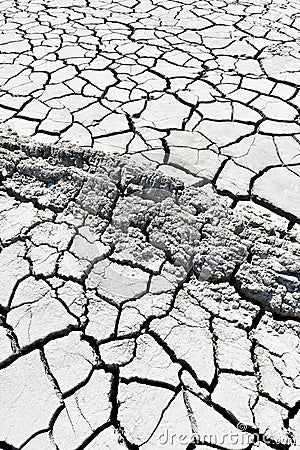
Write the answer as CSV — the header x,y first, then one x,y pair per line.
x,y
135,310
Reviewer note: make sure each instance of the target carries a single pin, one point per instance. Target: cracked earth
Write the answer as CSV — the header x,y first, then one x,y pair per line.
x,y
139,313
204,90
150,274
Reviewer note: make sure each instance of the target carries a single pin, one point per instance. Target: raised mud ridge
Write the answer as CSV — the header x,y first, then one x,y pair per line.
x,y
137,313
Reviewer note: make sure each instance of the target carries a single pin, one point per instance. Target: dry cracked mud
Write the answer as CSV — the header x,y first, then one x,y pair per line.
x,y
205,90
150,275
138,313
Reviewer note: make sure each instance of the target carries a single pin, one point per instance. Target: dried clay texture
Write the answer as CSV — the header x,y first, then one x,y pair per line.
x,y
206,90
139,313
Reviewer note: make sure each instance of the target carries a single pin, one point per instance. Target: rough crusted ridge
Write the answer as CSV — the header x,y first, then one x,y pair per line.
x,y
140,314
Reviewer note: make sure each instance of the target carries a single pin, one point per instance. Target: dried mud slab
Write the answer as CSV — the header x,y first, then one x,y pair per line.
x,y
137,313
